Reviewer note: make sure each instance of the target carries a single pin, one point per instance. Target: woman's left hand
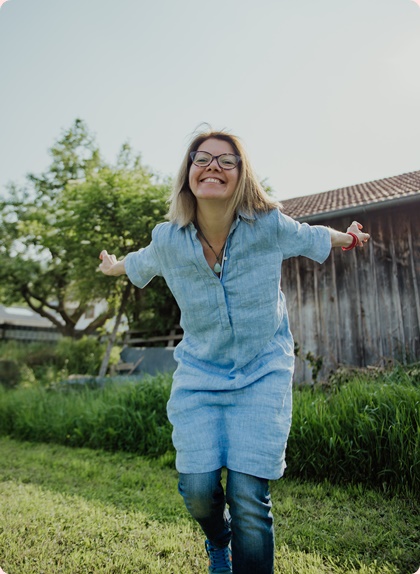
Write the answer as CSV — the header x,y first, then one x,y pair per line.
x,y
356,228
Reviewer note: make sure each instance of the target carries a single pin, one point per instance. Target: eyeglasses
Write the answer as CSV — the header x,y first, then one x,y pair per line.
x,y
224,160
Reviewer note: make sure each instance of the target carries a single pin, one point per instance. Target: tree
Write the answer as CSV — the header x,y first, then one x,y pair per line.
x,y
52,231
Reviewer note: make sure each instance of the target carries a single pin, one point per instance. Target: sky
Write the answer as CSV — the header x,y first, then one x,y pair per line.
x,y
324,94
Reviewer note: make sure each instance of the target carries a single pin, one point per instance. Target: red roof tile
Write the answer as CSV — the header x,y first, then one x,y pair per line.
x,y
354,196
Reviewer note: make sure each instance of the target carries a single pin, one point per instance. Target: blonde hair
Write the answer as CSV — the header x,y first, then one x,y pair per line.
x,y
249,197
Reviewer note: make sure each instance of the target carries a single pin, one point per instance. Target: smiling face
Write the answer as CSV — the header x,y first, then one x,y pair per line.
x,y
213,182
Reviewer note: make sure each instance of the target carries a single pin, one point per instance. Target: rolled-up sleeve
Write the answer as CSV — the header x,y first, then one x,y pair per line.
x,y
313,241
142,265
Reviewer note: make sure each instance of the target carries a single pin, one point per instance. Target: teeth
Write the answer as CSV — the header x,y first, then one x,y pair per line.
x,y
211,180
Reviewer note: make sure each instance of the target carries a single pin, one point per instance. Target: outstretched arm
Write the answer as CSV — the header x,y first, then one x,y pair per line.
x,y
110,265
353,236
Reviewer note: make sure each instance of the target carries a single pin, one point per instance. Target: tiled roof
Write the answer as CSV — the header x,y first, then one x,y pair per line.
x,y
355,196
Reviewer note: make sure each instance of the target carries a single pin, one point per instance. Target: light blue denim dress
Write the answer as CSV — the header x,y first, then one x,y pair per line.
x,y
231,399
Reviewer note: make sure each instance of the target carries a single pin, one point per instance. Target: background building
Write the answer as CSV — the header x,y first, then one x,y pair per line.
x,y
360,307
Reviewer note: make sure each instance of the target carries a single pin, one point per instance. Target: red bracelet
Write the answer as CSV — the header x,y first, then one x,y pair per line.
x,y
353,243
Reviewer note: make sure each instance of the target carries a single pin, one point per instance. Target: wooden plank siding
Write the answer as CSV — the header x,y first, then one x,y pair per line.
x,y
362,307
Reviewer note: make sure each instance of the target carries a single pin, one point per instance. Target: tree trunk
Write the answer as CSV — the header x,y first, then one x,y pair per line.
x,y
113,335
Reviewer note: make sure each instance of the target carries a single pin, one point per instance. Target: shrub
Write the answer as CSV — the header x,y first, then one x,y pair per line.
x,y
9,373
49,363
82,356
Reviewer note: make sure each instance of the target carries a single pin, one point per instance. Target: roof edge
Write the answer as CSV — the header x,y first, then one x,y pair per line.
x,y
355,209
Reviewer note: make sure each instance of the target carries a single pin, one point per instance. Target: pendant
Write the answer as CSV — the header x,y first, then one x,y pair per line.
x,y
217,268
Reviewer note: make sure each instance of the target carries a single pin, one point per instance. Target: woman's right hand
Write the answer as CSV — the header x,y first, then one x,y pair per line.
x,y
110,265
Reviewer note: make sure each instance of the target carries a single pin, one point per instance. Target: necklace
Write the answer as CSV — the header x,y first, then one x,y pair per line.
x,y
217,267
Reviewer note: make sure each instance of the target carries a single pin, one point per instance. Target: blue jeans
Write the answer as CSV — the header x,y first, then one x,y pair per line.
x,y
250,528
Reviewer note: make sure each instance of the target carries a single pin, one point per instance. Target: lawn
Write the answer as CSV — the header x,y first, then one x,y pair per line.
x,y
68,510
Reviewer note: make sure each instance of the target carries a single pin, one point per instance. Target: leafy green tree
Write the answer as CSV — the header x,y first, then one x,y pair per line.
x,y
51,233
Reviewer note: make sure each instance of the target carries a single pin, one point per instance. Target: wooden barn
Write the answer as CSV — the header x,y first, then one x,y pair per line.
x,y
360,307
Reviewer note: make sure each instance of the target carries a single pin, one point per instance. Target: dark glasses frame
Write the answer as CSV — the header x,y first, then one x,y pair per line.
x,y
193,154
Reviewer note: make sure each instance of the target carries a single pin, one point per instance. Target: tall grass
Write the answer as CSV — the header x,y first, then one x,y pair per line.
x,y
363,431
129,417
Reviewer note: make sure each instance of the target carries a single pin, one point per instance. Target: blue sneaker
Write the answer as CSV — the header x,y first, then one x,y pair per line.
x,y
220,559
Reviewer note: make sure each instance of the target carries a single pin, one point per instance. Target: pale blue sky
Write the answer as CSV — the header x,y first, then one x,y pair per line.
x,y
324,93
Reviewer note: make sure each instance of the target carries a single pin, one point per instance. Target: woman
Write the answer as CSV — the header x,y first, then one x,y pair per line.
x,y
230,405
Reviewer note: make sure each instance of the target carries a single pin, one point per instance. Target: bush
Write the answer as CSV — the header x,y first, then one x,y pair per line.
x,y
9,373
36,362
82,356
46,364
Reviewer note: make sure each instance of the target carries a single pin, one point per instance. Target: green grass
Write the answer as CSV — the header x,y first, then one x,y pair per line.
x,y
69,510
366,430
128,416
363,431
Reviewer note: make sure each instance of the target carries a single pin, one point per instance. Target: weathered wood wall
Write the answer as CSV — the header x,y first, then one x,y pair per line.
x,y
360,307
